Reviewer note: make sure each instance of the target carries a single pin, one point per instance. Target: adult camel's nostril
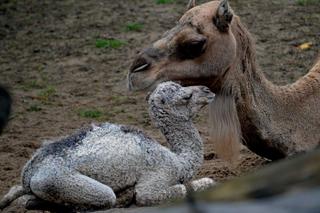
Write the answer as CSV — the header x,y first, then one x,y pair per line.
x,y
140,64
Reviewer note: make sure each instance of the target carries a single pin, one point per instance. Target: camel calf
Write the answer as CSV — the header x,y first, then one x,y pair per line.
x,y
87,169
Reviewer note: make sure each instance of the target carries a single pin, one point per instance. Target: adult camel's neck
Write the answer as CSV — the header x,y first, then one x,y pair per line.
x,y
252,83
255,97
267,112
245,71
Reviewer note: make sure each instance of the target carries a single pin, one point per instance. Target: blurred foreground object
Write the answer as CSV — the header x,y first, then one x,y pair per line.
x,y
288,186
5,107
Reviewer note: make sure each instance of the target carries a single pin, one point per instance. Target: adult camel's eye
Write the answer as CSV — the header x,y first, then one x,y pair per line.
x,y
191,49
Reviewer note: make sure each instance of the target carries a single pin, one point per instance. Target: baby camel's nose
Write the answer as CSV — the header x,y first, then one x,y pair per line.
x,y
206,92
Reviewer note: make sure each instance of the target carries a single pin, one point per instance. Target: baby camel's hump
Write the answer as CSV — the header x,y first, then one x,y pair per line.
x,y
111,154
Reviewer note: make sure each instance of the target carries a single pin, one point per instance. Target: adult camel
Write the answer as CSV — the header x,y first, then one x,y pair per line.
x,y
210,46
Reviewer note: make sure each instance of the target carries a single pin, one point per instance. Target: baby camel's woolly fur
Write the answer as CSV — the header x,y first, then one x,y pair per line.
x,y
87,169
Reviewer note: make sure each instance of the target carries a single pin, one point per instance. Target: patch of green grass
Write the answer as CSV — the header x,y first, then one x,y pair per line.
x,y
34,108
131,118
47,93
109,43
90,113
307,2
133,26
164,1
34,84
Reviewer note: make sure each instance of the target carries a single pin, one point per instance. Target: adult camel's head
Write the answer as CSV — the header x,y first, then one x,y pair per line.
x,y
199,49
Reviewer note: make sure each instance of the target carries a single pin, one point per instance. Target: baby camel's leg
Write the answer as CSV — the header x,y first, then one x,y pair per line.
x,y
60,185
155,189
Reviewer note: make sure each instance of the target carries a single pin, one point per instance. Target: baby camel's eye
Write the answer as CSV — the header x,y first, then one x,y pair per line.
x,y
187,97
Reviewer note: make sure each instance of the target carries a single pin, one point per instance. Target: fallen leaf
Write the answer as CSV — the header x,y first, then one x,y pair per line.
x,y
305,46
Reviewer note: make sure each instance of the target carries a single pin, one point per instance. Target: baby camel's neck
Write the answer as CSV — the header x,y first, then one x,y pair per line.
x,y
184,140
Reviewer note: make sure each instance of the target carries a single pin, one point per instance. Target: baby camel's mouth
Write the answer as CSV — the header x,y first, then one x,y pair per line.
x,y
205,100
211,98
206,95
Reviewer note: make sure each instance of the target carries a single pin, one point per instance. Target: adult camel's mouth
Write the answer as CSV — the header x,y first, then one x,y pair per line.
x,y
140,68
136,82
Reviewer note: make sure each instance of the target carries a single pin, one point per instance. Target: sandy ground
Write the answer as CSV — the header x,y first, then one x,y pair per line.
x,y
58,77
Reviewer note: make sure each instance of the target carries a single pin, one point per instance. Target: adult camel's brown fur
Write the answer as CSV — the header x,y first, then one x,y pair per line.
x,y
210,46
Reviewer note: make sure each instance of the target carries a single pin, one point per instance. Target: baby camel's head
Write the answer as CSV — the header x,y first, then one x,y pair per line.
x,y
172,100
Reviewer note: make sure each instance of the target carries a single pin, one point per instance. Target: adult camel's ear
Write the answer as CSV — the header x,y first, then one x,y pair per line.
x,y
191,4
223,17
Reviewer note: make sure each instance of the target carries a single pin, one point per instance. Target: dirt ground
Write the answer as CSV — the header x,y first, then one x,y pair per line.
x,y
61,81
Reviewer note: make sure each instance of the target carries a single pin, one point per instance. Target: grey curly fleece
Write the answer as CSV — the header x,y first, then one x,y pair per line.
x,y
88,168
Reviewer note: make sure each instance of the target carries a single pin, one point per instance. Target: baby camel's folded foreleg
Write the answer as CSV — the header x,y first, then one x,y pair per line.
x,y
148,195
155,189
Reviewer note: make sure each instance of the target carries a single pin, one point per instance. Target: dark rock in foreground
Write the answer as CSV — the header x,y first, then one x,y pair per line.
x,y
304,202
288,186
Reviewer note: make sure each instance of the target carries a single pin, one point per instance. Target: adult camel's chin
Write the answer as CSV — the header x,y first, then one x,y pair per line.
x,y
210,46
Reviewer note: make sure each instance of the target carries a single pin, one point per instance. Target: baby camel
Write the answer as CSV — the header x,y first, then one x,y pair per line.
x,y
87,169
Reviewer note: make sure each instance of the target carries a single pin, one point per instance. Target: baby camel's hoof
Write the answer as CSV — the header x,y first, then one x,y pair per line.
x,y
202,184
